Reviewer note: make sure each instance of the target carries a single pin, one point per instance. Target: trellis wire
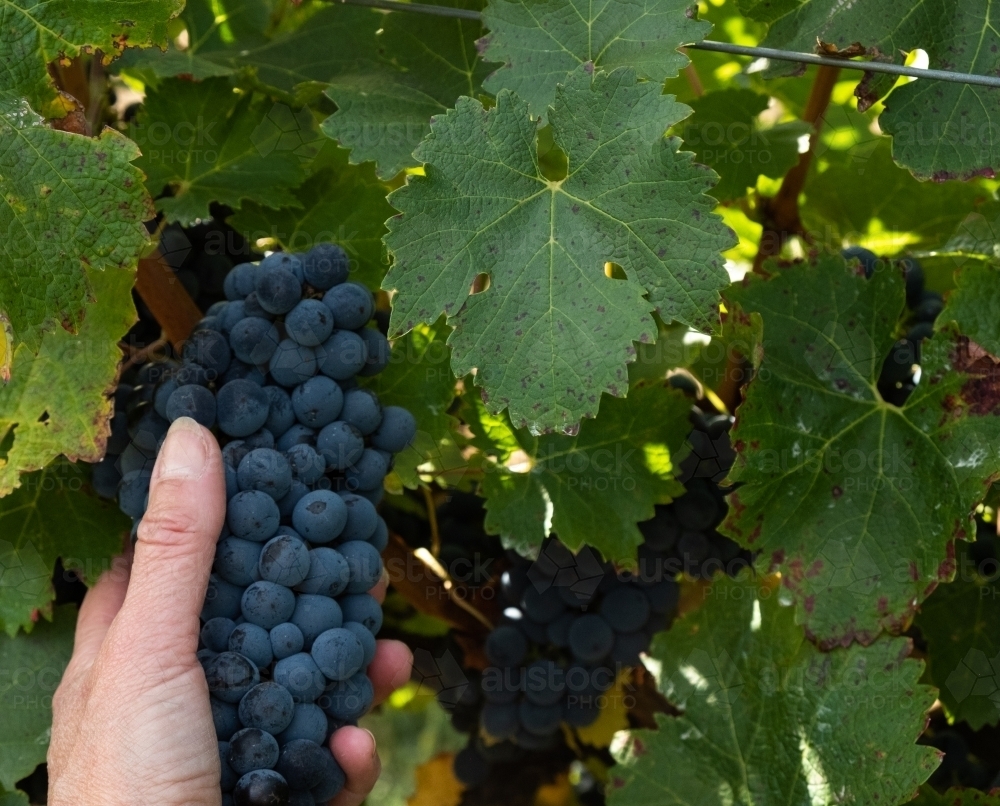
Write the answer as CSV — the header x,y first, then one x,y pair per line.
x,y
725,47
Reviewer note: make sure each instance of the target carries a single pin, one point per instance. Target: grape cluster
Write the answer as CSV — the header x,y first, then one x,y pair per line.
x,y
288,624
573,622
899,375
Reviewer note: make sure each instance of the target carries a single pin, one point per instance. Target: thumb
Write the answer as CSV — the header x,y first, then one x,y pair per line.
x,y
176,542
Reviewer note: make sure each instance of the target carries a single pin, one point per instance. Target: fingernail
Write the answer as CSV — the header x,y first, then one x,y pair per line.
x,y
184,454
374,748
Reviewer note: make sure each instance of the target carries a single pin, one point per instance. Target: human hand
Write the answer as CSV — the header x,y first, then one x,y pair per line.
x,y
131,721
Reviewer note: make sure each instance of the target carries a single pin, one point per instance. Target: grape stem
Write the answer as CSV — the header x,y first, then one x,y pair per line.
x,y
780,214
432,519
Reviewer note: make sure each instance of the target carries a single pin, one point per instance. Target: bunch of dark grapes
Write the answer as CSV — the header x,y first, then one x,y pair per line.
x,y
899,375
573,623
288,624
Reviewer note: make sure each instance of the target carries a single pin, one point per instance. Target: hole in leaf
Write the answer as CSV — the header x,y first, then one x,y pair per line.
x,y
44,418
480,284
7,443
552,161
614,271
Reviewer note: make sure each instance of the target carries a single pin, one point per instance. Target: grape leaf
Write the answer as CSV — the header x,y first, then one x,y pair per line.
x,y
726,135
409,730
15,798
68,203
855,500
207,143
40,659
610,474
339,202
768,719
956,796
975,305
553,330
940,130
54,513
419,378
961,624
55,403
37,33
543,42
913,213
423,65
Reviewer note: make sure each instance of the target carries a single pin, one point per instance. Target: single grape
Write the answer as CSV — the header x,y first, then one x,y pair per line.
x,y
292,364
267,604
471,769
267,706
378,350
350,698
506,646
396,429
278,290
208,349
307,465
192,401
215,633
286,640
365,637
320,516
317,402
285,561
253,515
286,506
342,356
252,749
254,340
280,414
625,608
239,281
352,305
365,564
340,444
308,722
252,642
265,470
282,260
368,472
221,599
338,653
230,676
539,719
328,574
362,608
261,788
309,323
297,434
362,410
236,560
362,518
300,675
242,408
590,638
225,716
228,777
326,265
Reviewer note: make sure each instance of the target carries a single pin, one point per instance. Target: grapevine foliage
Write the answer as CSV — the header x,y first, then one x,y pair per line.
x,y
551,312
384,109
69,202
940,130
543,44
55,402
612,472
53,513
26,729
207,143
854,499
769,719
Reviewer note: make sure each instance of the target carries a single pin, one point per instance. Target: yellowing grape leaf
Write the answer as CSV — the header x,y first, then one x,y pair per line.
x,y
55,403
542,43
68,204
40,659
54,513
941,130
591,488
767,719
204,142
553,330
856,501
37,33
